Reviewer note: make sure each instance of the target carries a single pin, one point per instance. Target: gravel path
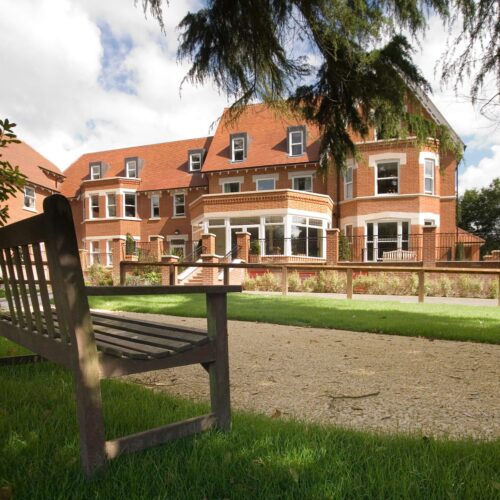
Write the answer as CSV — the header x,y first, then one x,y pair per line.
x,y
357,380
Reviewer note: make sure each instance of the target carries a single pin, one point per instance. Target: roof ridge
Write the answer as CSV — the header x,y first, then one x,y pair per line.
x,y
143,146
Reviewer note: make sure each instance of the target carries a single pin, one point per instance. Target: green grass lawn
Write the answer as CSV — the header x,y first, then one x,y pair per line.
x,y
260,458
436,321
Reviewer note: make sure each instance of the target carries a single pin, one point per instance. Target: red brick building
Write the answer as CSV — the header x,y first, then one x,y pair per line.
x,y
43,179
261,175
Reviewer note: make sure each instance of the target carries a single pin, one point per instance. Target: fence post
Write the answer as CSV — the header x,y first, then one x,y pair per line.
x,y
349,283
284,280
226,275
169,273
332,246
123,272
429,245
421,286
498,290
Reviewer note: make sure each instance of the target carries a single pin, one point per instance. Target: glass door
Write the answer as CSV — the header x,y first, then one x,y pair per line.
x,y
254,235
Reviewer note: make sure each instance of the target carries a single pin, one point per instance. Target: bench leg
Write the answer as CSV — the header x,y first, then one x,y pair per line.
x,y
219,369
90,420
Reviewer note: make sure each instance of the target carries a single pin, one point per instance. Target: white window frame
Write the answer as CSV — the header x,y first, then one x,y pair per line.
x,y
383,162
431,177
125,205
91,206
155,197
176,205
109,253
108,205
265,179
291,142
31,197
231,182
128,168
193,162
93,252
93,174
234,149
297,177
348,184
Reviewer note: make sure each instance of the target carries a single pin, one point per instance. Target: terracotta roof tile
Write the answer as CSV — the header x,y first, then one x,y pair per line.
x,y
29,162
165,166
267,138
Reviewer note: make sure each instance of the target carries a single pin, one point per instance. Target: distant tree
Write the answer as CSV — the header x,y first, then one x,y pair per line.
x,y
479,213
11,179
357,66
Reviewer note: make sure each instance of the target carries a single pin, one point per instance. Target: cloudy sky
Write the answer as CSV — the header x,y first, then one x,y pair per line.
x,y
87,75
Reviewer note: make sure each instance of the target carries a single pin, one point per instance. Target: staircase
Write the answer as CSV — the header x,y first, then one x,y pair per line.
x,y
195,278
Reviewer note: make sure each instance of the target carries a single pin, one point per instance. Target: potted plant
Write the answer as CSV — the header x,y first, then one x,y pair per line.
x,y
254,256
130,248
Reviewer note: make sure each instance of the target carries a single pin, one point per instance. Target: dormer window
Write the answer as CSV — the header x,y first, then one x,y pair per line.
x,y
131,168
238,147
95,170
195,160
296,140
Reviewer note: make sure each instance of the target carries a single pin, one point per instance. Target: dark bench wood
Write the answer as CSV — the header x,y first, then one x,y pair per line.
x,y
48,313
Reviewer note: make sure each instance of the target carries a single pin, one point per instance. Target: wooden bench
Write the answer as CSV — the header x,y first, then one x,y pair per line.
x,y
399,255
48,313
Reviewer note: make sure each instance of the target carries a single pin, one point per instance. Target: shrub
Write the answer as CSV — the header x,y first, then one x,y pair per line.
x,y
294,282
255,247
248,283
460,251
267,282
99,275
130,245
344,247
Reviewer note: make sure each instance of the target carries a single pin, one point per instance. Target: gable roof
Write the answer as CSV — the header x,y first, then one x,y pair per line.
x,y
32,164
165,166
267,140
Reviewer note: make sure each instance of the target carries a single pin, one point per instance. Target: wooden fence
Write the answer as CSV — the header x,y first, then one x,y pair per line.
x,y
421,272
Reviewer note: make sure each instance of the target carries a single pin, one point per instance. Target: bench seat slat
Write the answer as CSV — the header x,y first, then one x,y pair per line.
x,y
159,330
150,351
120,352
162,343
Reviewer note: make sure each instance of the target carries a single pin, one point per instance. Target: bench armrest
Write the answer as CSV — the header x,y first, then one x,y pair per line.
x,y
160,290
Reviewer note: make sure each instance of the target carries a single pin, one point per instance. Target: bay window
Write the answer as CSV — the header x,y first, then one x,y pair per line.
x,y
274,231
307,236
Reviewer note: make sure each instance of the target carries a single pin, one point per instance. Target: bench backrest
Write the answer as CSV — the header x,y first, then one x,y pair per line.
x,y
39,261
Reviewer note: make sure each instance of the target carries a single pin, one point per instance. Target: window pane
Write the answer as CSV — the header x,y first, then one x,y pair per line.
x,y
195,161
274,220
314,242
132,168
348,191
130,205
369,230
265,184
387,170
388,186
316,222
179,208
428,185
348,175
302,183
429,168
216,222
299,240
299,220
244,221
220,240
111,205
232,187
275,240
94,206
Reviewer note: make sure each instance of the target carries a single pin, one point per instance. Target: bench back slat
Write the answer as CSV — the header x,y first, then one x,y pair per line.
x,y
32,288
7,287
13,287
23,292
43,289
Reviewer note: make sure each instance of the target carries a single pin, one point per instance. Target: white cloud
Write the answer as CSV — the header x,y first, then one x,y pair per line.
x,y
481,175
53,55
